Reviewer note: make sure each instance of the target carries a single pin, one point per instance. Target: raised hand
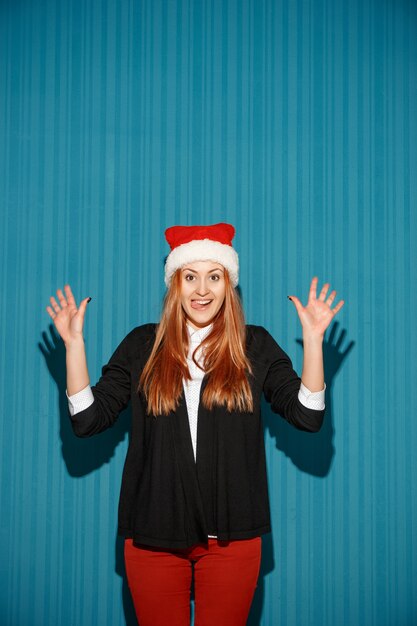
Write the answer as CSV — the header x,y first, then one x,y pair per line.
x,y
68,319
316,316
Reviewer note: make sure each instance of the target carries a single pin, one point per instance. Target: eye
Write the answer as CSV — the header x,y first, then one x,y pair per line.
x,y
215,277
189,277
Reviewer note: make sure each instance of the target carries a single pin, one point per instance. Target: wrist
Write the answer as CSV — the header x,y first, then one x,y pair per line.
x,y
74,343
312,339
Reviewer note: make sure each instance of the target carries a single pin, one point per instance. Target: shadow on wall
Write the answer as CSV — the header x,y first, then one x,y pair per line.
x,y
81,455
312,453
85,455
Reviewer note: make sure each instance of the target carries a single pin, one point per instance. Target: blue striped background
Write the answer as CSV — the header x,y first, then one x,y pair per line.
x,y
294,120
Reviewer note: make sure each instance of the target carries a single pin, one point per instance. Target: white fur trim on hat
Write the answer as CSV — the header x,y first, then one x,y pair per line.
x,y
203,250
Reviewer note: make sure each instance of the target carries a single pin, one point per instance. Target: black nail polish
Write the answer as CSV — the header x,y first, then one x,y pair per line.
x,y
88,300
289,298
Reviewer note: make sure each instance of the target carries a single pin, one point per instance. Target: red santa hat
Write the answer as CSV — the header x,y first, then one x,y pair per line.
x,y
201,243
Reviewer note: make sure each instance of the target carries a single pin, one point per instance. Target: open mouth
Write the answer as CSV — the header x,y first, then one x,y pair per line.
x,y
200,305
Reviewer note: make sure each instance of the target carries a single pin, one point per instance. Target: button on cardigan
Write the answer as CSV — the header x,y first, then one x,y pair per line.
x,y
169,498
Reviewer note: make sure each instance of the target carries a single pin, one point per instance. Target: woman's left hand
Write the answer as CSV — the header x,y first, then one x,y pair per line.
x,y
317,315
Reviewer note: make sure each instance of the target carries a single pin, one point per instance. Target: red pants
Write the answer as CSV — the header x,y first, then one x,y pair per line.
x,y
225,576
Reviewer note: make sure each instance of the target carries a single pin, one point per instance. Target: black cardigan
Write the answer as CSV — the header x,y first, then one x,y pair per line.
x,y
167,499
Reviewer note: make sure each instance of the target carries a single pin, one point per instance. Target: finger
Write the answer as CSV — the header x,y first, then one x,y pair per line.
x,y
330,299
324,291
70,297
313,289
55,305
83,306
51,312
61,298
338,307
296,302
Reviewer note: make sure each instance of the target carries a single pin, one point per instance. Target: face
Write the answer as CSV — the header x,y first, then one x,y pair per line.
x,y
203,291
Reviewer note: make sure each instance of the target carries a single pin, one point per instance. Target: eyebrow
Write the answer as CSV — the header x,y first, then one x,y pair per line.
x,y
188,269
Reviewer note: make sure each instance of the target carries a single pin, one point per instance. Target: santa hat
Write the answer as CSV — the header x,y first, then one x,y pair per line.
x,y
201,243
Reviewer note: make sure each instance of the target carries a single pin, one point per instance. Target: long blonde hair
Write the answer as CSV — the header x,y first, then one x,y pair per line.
x,y
225,362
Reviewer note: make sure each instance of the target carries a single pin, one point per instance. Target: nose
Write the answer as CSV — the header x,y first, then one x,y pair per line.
x,y
202,288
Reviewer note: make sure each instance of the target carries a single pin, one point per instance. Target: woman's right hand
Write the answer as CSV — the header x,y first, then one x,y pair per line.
x,y
67,318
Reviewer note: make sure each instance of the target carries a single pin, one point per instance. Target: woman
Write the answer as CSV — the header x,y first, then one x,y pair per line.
x,y
194,498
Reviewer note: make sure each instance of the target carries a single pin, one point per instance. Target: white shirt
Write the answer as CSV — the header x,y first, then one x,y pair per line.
x,y
192,387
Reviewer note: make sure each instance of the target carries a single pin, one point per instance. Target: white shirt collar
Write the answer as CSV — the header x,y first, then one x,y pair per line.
x,y
197,335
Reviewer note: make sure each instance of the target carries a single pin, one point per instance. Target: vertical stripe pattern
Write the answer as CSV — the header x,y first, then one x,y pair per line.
x,y
297,122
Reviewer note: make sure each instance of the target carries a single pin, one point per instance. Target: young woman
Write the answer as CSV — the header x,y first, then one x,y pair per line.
x,y
194,498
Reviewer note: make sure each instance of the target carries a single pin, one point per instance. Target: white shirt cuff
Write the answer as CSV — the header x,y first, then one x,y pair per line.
x,y
312,399
80,400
